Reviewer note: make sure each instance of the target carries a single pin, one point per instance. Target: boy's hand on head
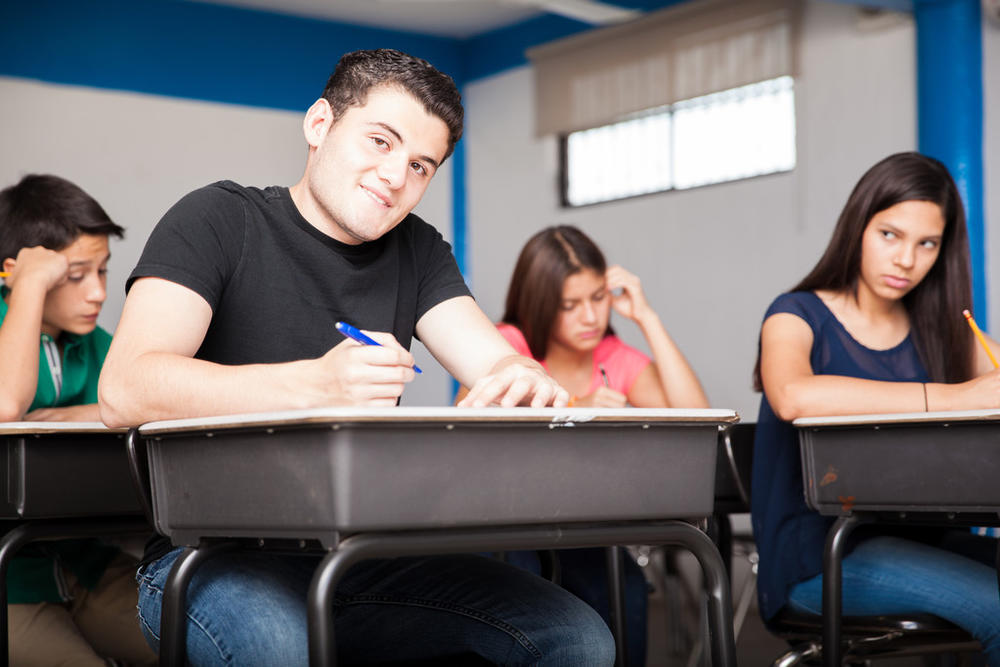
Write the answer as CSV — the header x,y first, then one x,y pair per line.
x,y
365,375
516,383
37,266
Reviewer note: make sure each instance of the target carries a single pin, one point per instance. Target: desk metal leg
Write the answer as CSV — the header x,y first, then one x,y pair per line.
x,y
16,538
833,556
616,603
322,646
173,619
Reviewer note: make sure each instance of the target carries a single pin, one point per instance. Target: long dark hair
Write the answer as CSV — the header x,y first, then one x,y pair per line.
x,y
942,337
535,292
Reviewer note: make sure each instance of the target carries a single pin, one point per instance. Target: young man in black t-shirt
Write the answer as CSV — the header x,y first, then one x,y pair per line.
x,y
231,309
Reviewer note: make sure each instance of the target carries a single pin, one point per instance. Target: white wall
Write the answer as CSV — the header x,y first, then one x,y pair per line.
x,y
711,259
138,154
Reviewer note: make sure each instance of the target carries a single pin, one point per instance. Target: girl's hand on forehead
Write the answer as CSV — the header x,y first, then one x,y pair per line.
x,y
627,296
38,266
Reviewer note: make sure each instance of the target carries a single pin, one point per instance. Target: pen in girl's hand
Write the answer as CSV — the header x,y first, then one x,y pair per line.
x,y
355,334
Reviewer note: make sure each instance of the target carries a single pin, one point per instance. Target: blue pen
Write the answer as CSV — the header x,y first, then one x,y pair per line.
x,y
355,334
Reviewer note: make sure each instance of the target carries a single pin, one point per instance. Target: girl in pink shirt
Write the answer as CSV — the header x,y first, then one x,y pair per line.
x,y
558,311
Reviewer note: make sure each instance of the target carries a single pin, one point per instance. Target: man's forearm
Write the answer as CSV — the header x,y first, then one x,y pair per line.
x,y
158,385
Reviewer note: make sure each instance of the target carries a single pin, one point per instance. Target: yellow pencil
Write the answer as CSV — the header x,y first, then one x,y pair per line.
x,y
979,335
3,274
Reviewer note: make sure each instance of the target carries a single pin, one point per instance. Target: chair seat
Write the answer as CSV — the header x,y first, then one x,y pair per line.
x,y
791,624
899,629
869,636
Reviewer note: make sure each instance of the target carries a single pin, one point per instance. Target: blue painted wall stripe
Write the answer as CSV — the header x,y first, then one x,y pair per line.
x,y
229,54
950,113
192,50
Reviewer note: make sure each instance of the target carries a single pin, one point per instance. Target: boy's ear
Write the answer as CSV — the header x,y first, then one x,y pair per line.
x,y
8,264
317,121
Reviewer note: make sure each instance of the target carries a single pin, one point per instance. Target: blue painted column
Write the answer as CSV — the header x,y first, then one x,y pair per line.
x,y
459,222
950,113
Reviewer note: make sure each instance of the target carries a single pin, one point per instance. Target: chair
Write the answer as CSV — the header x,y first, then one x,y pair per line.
x,y
173,625
864,637
732,496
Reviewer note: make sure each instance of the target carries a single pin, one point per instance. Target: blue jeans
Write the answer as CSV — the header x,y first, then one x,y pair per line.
x,y
249,608
585,575
890,575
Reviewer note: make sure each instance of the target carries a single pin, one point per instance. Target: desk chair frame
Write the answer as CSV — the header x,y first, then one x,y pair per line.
x,y
363,546
71,502
346,546
33,531
864,452
732,496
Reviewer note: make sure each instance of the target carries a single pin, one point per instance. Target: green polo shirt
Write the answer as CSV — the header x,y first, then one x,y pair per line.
x,y
32,576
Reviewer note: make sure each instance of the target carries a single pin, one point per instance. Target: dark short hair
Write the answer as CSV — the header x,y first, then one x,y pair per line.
x,y
535,292
360,71
942,337
49,211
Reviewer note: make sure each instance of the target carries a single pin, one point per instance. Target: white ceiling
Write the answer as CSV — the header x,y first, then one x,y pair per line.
x,y
441,18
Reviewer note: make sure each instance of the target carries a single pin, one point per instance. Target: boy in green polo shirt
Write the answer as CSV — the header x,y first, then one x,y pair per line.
x,y
70,602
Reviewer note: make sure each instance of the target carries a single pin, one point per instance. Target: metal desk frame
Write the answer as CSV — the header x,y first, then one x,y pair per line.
x,y
347,548
364,546
61,517
857,513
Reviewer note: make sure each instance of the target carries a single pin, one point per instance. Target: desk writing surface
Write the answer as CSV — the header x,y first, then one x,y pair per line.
x,y
924,462
309,474
899,418
400,415
56,470
28,428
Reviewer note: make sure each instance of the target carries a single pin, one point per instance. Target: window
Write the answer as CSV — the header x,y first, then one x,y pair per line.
x,y
734,134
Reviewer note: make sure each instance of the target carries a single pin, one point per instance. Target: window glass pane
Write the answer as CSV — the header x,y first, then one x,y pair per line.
x,y
620,160
738,133
734,134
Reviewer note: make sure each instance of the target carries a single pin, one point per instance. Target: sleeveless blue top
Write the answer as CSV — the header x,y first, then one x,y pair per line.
x,y
789,535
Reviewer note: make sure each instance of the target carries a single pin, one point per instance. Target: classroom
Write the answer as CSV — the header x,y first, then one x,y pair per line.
x,y
140,103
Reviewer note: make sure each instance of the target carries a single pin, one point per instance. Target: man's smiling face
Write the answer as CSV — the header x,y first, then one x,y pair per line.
x,y
371,167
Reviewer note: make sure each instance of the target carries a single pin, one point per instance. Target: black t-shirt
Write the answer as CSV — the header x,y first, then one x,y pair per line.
x,y
277,285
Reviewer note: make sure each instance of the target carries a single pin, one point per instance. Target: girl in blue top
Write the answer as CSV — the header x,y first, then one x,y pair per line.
x,y
876,327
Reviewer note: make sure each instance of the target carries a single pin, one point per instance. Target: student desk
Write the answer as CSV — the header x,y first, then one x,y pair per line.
x,y
927,467
61,479
376,483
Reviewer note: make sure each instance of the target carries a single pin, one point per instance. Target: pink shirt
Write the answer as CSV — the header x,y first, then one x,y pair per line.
x,y
621,362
